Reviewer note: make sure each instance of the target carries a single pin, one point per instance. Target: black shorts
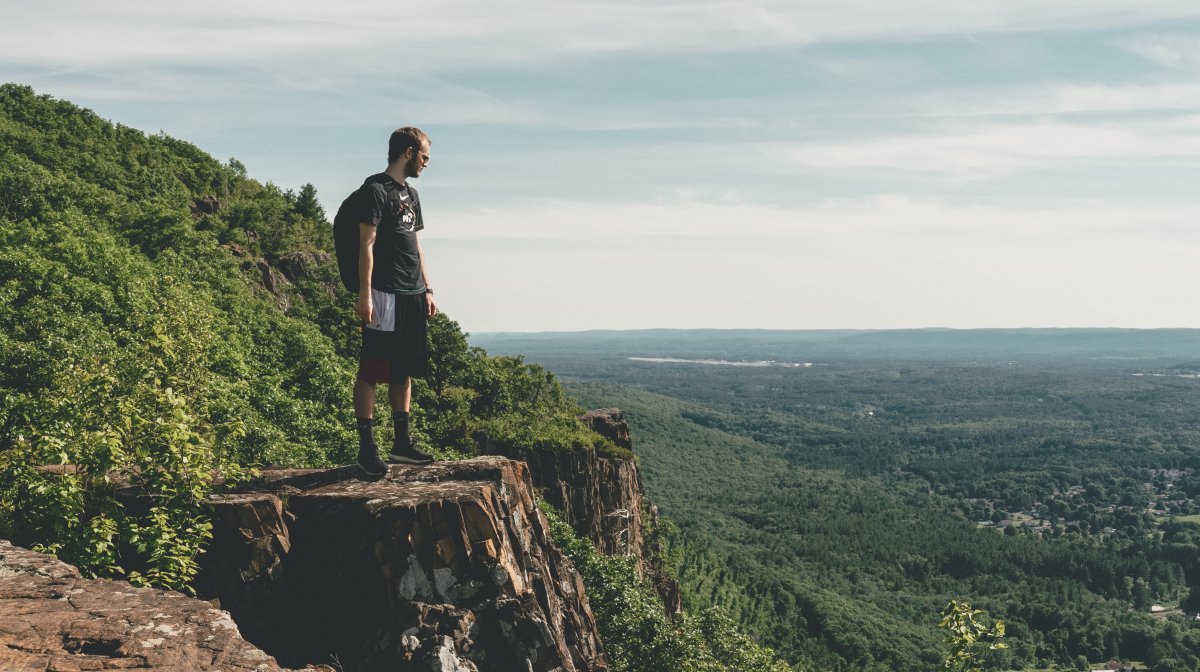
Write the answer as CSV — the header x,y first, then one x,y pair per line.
x,y
396,344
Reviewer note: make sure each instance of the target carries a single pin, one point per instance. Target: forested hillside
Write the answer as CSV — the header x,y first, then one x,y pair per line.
x,y
165,319
834,507
166,316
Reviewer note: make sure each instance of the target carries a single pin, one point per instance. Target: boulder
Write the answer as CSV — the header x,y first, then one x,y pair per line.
x,y
298,265
207,205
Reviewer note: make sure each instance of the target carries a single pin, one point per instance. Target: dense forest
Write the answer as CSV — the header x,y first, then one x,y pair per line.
x,y
170,324
833,499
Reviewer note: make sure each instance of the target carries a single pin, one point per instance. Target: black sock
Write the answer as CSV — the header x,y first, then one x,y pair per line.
x,y
400,423
366,433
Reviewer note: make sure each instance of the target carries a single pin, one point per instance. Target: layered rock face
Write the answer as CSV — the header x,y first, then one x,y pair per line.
x,y
611,424
602,498
442,567
52,619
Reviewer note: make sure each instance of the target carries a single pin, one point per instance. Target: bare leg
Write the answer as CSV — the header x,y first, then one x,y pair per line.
x,y
364,399
400,396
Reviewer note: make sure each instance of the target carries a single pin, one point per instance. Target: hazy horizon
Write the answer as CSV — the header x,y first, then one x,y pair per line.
x,y
840,329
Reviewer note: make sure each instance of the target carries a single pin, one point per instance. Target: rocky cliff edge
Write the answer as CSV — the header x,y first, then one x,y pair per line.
x,y
53,619
445,567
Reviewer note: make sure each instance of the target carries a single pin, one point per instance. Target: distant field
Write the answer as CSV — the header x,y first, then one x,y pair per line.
x,y
1189,519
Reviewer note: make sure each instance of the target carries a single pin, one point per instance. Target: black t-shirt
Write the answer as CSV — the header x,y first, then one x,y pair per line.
x,y
395,210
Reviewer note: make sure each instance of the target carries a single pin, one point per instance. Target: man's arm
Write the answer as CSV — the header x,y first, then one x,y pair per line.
x,y
428,294
366,263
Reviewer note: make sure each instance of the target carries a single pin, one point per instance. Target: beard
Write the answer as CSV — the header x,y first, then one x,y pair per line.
x,y
413,167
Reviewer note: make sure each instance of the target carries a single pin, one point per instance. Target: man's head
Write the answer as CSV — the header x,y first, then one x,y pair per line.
x,y
409,146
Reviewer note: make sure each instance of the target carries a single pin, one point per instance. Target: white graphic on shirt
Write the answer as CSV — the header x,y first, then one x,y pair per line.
x,y
408,214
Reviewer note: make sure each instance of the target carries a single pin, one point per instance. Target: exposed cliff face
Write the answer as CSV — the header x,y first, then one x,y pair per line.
x,y
602,497
52,619
443,567
298,265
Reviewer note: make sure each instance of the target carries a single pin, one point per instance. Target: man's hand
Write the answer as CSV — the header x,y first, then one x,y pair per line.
x,y
366,262
365,310
432,305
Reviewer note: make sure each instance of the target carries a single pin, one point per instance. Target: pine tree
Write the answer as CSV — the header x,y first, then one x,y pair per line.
x,y
307,204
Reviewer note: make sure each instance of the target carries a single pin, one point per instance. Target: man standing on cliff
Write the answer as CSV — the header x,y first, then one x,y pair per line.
x,y
395,298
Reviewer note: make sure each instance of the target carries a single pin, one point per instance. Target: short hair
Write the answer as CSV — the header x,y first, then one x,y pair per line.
x,y
404,139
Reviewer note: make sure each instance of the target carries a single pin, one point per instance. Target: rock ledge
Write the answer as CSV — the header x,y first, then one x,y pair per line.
x,y
53,619
448,566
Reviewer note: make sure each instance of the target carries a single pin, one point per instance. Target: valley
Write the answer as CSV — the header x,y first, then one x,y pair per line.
x,y
835,508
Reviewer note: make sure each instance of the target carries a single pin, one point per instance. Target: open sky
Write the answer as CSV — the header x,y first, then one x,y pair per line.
x,y
776,164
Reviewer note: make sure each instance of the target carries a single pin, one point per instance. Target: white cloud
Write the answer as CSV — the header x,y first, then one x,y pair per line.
x,y
887,261
989,149
1174,50
1059,99
349,61
450,33
879,216
270,70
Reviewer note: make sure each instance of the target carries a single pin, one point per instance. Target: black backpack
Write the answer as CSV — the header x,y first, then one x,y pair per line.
x,y
345,229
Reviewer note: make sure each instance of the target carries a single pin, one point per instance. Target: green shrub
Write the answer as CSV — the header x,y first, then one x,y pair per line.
x,y
637,635
968,637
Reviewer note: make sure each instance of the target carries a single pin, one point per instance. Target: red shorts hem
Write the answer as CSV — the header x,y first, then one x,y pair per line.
x,y
374,370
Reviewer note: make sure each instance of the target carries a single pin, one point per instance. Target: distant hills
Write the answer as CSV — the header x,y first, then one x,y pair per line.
x,y
1164,346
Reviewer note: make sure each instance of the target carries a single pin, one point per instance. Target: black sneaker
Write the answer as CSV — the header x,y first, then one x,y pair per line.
x,y
369,462
409,454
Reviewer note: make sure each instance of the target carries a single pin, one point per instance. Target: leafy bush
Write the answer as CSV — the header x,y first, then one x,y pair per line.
x,y
637,635
968,637
137,356
107,421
